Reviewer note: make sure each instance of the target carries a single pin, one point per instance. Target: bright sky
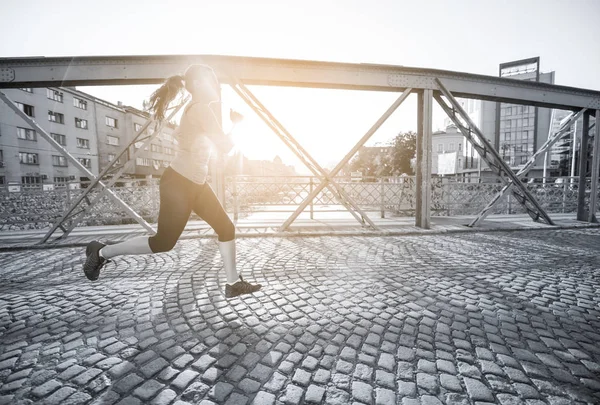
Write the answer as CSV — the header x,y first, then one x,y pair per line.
x,y
463,35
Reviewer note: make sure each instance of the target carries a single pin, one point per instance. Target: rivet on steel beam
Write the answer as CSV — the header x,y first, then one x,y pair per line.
x,y
7,75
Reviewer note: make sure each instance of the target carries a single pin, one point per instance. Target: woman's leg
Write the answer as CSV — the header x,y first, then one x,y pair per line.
x,y
174,212
134,246
207,206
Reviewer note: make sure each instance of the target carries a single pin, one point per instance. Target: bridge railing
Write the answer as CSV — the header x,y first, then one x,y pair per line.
x,y
37,207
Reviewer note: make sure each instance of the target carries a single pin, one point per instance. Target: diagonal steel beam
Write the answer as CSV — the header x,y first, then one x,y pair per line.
x,y
71,159
300,152
74,217
348,156
496,164
291,143
595,170
338,192
525,169
489,154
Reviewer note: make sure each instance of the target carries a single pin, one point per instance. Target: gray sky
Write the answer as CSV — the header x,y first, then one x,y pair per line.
x,y
462,35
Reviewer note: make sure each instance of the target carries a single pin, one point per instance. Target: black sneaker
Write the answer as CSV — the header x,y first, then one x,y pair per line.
x,y
240,287
94,261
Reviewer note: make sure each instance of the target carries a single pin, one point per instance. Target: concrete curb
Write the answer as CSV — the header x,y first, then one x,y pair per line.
x,y
316,234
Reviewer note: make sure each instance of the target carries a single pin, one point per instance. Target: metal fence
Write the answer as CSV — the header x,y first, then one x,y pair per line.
x,y
393,195
28,207
25,207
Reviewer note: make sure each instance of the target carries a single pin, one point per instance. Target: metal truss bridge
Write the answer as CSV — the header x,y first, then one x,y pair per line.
x,y
240,72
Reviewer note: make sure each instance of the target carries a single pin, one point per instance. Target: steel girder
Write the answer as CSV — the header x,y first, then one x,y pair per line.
x,y
582,215
489,154
153,69
424,152
595,171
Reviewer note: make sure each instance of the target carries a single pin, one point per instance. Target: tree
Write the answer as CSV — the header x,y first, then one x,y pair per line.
x,y
372,163
404,149
366,162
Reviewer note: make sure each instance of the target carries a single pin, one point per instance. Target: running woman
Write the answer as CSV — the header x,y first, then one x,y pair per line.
x,y
183,186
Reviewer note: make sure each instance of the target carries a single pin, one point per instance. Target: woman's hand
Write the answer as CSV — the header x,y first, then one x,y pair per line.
x,y
235,116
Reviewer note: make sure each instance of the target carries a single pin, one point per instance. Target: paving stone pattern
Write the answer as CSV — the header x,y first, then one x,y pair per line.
x,y
478,318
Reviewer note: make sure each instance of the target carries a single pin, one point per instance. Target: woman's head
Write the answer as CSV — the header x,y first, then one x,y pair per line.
x,y
200,80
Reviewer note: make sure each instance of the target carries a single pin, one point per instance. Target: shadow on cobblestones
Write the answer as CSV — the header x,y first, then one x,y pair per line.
x,y
505,318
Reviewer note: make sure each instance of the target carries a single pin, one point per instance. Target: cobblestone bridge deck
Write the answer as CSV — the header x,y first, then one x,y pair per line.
x,y
465,318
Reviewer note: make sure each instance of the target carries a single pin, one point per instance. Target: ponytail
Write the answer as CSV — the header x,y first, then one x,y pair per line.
x,y
164,95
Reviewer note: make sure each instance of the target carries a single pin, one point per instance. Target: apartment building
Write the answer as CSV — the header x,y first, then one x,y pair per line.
x,y
92,130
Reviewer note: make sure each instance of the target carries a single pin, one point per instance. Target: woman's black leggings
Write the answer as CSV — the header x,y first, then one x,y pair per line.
x,y
180,196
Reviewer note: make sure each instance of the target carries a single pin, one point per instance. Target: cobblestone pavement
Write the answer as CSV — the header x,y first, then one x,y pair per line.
x,y
505,318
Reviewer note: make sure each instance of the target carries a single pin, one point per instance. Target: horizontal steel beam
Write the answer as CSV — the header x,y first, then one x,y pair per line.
x,y
123,70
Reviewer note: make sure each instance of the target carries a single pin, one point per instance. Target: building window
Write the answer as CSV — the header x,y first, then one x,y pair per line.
x,y
56,117
112,156
61,139
440,148
61,181
26,108
27,89
523,160
27,134
79,103
460,147
451,147
112,140
155,148
83,143
137,127
31,180
2,180
28,158
1,158
111,122
169,151
81,123
87,162
59,160
142,161
508,110
54,95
